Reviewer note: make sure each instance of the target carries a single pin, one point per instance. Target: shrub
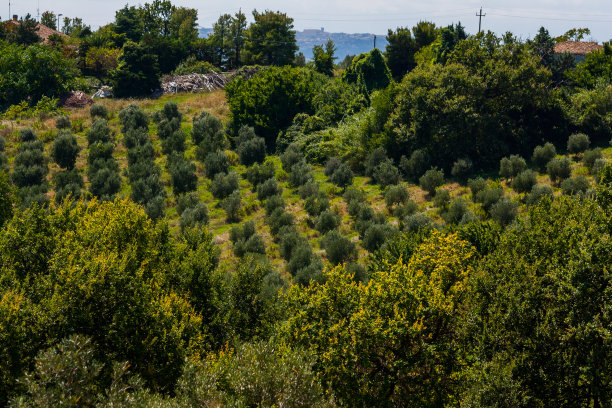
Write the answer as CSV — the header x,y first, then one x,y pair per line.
x,y
207,131
416,222
537,192
194,216
338,248
490,196
476,186
224,184
309,189
575,185
174,143
258,173
327,221
155,207
386,174
301,258
409,208
359,273
598,166
168,112
185,201
251,149
62,122
279,219
333,163
27,135
342,176
415,166
267,189
99,132
98,110
231,205
504,211
65,149
68,183
590,157
524,182
353,194
375,159
274,202
456,210
578,143
510,167
442,198
559,169
105,183
246,240
462,169
216,163
291,156
301,173
315,205
375,236
543,154
311,273
431,180
182,173
136,137
132,117
395,195
288,239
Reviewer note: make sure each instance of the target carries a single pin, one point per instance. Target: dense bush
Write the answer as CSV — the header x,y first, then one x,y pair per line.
x,y
510,167
338,248
442,198
132,117
368,71
332,164
274,202
98,110
291,156
415,166
476,186
309,189
246,240
193,216
590,157
30,170
524,181
175,143
251,148
68,183
62,122
342,176
559,169
288,240
456,211
386,174
375,159
578,143
375,236
316,204
232,205
185,201
327,221
538,192
279,219
207,133
99,132
268,189
575,185
182,173
224,184
504,211
417,222
259,173
431,180
301,173
490,196
215,163
395,195
543,154
65,149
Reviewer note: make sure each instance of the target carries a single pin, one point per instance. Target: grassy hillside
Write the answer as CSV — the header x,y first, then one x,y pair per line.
x,y
252,209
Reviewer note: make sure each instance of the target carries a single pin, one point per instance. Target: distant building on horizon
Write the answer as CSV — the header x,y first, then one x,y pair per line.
x,y
578,49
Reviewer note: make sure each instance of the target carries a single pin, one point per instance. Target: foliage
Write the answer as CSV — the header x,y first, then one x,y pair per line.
x,y
62,122
270,99
207,133
271,39
510,167
192,66
137,73
224,184
98,110
301,173
246,240
415,166
543,154
476,186
232,205
595,67
251,148
342,176
588,110
538,192
65,149
559,169
504,211
368,71
7,198
29,73
462,169
324,58
402,305
431,180
216,163
403,43
327,221
590,157
338,248
578,143
68,183
267,189
375,236
396,195
442,198
524,181
182,173
194,216
575,185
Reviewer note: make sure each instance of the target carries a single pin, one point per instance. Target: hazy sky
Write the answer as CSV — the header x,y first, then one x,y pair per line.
x,y
522,17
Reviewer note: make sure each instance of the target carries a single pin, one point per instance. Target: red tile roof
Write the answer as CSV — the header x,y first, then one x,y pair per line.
x,y
577,47
44,32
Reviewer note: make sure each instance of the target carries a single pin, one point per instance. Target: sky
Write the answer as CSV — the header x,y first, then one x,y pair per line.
x,y
522,17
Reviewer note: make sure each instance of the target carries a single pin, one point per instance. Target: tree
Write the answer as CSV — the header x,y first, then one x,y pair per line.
x,y
578,143
49,19
543,154
369,71
559,169
26,32
270,99
137,73
65,149
596,67
342,176
324,58
271,39
128,24
402,45
221,40
431,180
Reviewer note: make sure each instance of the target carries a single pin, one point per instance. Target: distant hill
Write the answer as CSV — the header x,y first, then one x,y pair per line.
x,y
346,44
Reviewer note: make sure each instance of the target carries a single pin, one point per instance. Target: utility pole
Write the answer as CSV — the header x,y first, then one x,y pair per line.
x,y
374,41
480,16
